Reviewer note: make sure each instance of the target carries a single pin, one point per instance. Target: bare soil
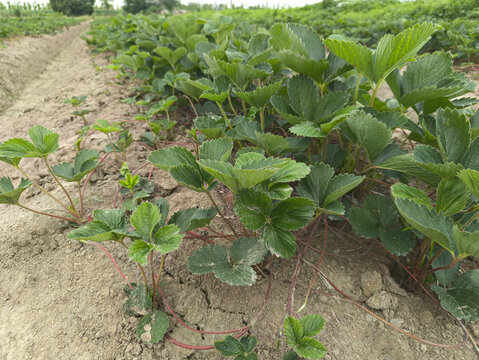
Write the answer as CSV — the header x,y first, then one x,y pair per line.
x,y
63,299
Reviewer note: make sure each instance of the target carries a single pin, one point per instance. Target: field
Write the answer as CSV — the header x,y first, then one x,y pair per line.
x,y
169,182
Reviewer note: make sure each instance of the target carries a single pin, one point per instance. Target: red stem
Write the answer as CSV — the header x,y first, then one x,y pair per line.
x,y
116,265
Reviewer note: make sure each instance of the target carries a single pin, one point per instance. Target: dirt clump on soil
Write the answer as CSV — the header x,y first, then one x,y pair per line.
x,y
63,299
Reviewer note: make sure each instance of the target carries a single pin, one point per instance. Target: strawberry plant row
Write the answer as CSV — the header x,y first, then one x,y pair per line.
x,y
294,126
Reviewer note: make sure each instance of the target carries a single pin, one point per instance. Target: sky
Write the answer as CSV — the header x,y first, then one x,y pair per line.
x,y
281,3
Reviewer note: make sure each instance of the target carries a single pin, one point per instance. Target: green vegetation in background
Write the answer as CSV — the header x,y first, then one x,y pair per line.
x,y
28,20
73,7
366,21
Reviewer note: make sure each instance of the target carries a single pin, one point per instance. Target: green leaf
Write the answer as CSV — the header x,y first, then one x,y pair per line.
x,y
436,226
340,185
323,187
272,144
293,331
357,55
407,164
452,196
212,127
377,213
144,219
279,241
307,129
260,96
169,157
221,171
45,141
188,176
252,208
243,253
461,298
471,179
299,335
193,218
290,171
247,251
139,300
292,213
85,162
105,127
315,69
403,191
453,134
312,324
394,51
310,349
139,250
229,346
372,134
218,149
445,276
167,239
8,193
467,243
152,327
110,224
397,241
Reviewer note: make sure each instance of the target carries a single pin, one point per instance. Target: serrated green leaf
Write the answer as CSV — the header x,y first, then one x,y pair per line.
x,y
45,141
144,219
139,250
193,218
315,69
259,96
357,55
229,346
167,239
436,226
205,259
452,196
293,331
307,129
292,213
218,149
312,324
467,243
247,251
167,158
471,179
315,184
310,349
406,163
397,241
152,327
109,224
290,171
85,162
403,191
394,51
188,176
252,208
445,276
453,134
372,134
272,144
249,343
340,185
279,241
139,301
8,193
461,298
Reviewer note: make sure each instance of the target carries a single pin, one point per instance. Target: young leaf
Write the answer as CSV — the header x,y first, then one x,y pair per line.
x,y
461,298
299,335
241,349
452,196
436,226
394,51
357,55
471,179
110,224
467,243
8,193
260,96
218,149
193,218
152,327
144,219
372,134
243,253
85,162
